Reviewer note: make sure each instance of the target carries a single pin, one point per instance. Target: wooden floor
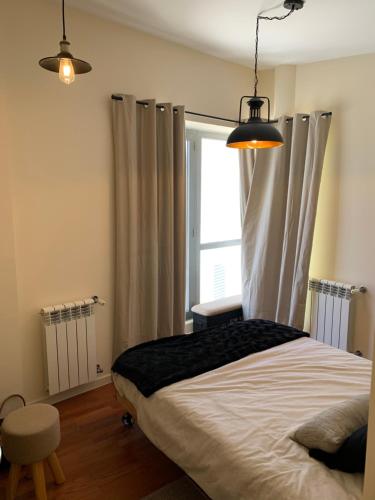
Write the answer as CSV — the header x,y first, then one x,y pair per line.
x,y
101,458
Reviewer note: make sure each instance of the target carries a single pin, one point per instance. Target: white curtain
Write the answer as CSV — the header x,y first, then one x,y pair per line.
x,y
149,154
279,196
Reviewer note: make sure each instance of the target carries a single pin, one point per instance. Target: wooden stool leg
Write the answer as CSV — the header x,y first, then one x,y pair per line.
x,y
56,469
39,481
13,478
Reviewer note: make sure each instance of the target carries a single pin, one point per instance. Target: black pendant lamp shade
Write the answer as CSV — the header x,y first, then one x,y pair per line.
x,y
64,63
53,63
255,136
255,133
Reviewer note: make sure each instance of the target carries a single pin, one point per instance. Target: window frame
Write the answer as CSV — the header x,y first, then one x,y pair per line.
x,y
193,214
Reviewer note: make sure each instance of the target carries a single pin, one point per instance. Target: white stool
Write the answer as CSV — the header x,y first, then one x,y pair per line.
x,y
31,435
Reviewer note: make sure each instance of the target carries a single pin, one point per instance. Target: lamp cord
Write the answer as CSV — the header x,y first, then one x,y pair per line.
x,y
264,18
63,19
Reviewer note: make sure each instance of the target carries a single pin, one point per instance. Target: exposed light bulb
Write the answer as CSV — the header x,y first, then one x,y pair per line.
x,y
66,71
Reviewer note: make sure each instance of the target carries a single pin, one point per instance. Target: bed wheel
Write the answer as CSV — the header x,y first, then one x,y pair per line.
x,y
127,420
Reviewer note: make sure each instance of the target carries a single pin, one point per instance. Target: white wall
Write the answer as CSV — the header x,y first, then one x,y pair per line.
x,y
285,89
10,346
56,191
344,242
344,245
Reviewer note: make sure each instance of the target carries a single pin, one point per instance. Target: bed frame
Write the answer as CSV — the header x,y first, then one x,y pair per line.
x,y
129,418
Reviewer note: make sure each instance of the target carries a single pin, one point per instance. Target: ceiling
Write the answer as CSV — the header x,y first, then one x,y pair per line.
x,y
323,29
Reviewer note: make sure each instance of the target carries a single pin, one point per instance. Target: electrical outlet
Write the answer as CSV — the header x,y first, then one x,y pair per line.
x,y
99,369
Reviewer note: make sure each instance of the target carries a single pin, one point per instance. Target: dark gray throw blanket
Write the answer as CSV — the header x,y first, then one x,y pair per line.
x,y
156,364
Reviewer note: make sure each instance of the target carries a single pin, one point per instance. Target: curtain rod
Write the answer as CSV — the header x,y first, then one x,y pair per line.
x,y
160,106
306,117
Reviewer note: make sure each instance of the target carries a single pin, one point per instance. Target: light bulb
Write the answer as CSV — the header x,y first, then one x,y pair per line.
x,y
66,71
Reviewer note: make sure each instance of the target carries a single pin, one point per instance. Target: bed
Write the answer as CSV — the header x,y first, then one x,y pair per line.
x,y
229,428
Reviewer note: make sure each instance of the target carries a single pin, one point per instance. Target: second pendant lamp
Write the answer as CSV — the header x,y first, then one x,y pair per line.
x,y
64,63
257,133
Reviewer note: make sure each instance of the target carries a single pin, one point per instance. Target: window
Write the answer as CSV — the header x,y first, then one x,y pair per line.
x,y
213,218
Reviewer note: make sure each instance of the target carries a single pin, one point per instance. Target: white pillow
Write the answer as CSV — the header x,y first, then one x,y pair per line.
x,y
329,429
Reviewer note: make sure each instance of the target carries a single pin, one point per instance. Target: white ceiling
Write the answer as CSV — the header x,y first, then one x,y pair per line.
x,y
323,29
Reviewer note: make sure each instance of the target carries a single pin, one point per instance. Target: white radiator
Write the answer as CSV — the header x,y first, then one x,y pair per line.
x,y
70,344
330,310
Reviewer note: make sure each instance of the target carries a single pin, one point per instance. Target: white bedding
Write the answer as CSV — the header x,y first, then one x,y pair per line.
x,y
229,428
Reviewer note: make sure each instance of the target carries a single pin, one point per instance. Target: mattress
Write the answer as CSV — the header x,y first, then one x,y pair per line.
x,y
230,428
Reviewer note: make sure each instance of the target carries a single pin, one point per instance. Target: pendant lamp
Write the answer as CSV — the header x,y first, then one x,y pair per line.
x,y
64,63
257,133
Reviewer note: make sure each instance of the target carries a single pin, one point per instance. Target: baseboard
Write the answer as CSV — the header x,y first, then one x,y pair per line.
x,y
56,398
